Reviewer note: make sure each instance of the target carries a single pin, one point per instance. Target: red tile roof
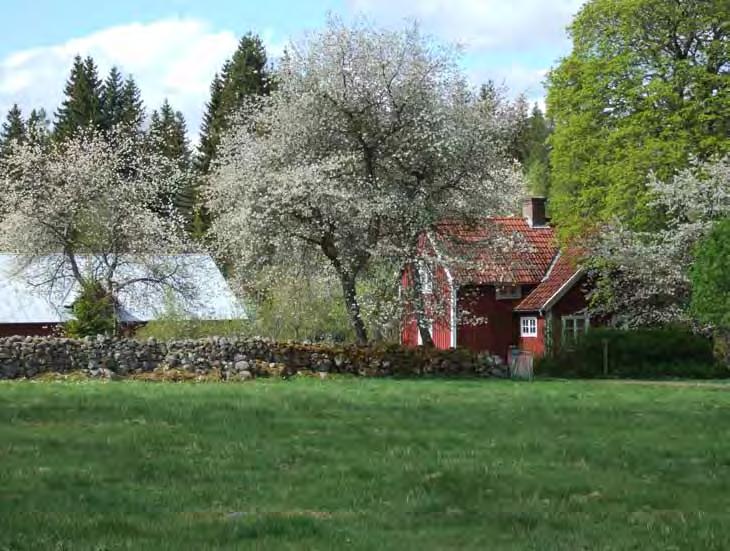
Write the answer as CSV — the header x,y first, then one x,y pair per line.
x,y
560,273
496,250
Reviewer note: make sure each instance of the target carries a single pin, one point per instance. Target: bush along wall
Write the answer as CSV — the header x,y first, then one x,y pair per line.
x,y
639,353
219,358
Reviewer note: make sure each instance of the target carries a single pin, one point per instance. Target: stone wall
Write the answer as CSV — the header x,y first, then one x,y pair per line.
x,y
226,358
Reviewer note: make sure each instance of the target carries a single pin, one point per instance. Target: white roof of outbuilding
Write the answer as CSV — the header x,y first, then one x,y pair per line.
x,y
208,295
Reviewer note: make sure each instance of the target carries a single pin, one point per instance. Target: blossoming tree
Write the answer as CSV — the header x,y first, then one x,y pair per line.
x,y
644,278
85,212
370,137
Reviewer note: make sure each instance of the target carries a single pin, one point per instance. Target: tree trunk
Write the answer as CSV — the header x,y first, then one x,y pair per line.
x,y
353,308
420,308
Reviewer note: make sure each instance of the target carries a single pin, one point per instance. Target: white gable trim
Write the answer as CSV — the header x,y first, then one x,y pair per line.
x,y
564,288
452,292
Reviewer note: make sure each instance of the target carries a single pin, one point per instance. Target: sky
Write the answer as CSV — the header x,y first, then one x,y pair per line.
x,y
174,47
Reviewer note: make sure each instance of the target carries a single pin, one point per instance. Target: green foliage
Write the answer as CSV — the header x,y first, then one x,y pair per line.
x,y
82,104
244,75
38,127
637,353
167,136
645,87
13,129
711,278
174,324
94,313
301,308
112,106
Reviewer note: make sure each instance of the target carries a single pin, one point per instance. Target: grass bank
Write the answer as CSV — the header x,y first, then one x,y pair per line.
x,y
364,464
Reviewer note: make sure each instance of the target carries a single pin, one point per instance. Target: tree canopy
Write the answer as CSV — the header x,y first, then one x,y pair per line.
x,y
369,137
645,88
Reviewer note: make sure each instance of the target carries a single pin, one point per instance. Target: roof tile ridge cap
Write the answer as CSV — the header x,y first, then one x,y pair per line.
x,y
553,262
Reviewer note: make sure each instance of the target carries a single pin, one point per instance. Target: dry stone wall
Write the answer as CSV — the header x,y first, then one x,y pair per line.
x,y
230,358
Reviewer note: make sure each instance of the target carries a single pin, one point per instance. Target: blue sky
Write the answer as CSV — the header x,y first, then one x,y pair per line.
x,y
173,47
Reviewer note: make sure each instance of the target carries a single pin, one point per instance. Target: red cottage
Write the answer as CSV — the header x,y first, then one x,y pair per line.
x,y
500,285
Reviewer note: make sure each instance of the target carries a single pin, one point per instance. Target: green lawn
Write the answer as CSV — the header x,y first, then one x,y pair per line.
x,y
364,464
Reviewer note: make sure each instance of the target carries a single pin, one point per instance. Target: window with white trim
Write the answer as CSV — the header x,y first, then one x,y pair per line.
x,y
528,327
574,327
426,278
508,292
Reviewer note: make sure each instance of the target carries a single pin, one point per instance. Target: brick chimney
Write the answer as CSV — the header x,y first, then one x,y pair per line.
x,y
533,210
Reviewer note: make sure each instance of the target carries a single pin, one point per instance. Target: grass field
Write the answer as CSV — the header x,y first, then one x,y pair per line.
x,y
364,464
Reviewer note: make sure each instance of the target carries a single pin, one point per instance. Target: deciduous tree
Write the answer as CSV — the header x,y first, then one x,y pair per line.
x,y
370,136
79,212
645,88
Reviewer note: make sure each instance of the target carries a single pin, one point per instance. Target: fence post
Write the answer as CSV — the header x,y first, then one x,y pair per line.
x,y
605,357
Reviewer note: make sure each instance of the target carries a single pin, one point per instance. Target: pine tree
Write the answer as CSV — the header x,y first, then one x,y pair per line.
x,y
81,107
245,75
132,109
112,99
167,136
242,76
13,129
211,126
39,127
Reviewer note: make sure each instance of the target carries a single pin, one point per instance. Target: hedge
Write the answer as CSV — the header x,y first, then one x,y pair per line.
x,y
638,353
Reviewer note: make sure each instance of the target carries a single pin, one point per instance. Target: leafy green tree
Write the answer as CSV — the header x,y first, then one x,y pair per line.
x,y
645,87
710,277
13,129
81,107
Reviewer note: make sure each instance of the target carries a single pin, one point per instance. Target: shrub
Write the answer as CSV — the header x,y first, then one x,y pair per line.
x,y
639,353
711,285
94,313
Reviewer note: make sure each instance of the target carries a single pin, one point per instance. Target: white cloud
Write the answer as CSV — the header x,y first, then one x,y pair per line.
x,y
173,59
495,25
509,41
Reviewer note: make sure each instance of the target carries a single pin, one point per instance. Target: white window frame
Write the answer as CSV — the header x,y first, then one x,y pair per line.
x,y
426,278
572,319
528,326
508,292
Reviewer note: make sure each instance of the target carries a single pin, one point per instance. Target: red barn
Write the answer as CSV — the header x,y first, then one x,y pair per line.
x,y
498,285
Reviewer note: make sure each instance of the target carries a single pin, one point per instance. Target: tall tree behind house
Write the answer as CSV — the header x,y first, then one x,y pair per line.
x,y
167,137
82,103
13,129
244,75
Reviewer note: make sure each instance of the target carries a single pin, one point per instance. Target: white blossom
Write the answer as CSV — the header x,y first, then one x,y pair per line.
x,y
370,137
644,276
82,210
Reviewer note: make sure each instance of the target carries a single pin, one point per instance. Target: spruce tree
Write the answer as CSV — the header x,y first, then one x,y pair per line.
x,y
13,129
132,110
208,132
167,136
244,75
112,99
38,127
81,107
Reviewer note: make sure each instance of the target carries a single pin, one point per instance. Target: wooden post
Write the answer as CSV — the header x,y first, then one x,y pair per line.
x,y
605,357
